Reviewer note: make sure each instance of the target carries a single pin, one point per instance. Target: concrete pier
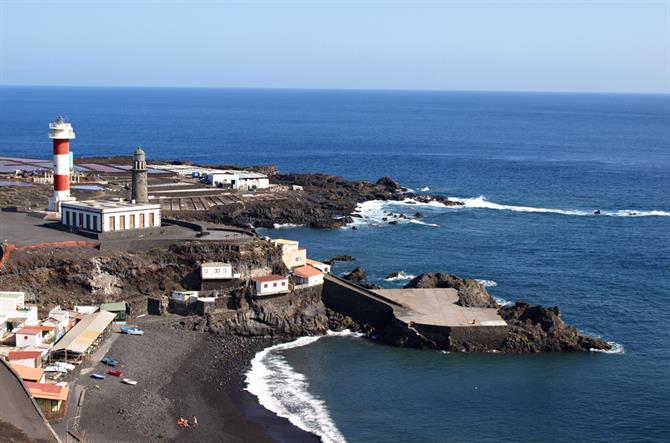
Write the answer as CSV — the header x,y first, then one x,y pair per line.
x,y
418,317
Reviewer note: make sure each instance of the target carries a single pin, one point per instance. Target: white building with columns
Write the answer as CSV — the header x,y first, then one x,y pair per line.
x,y
110,216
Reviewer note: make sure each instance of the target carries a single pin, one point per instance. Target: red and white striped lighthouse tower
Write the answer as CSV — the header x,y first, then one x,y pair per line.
x,y
61,133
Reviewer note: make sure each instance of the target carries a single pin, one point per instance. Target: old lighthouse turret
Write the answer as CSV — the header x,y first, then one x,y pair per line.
x,y
139,192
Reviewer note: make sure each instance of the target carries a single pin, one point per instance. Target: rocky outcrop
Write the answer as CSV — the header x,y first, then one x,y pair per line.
x,y
534,328
297,314
357,275
470,292
326,201
340,258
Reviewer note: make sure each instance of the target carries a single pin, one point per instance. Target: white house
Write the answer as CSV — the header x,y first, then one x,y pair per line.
x,y
270,285
323,267
243,180
109,216
292,254
15,311
217,271
31,336
308,275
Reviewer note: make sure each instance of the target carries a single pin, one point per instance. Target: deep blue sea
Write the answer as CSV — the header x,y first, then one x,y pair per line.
x,y
531,167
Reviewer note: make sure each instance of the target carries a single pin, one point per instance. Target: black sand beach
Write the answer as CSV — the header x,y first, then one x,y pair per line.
x,y
180,374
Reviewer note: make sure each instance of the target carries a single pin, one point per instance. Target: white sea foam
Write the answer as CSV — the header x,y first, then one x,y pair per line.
x,y
401,276
501,301
482,203
373,212
286,225
488,283
617,348
284,391
425,189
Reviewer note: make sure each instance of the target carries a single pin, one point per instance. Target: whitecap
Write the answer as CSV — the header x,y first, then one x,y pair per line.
x,y
401,276
425,189
482,203
284,391
501,301
616,348
286,225
488,283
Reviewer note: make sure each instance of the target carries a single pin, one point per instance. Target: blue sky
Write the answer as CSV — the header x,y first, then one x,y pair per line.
x,y
620,46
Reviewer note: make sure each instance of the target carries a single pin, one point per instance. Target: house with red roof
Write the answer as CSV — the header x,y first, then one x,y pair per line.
x,y
270,285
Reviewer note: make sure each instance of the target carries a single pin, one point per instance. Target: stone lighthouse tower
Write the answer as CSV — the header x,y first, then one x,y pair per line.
x,y
139,192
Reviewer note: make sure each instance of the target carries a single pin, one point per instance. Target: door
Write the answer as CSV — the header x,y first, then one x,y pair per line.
x,y
112,223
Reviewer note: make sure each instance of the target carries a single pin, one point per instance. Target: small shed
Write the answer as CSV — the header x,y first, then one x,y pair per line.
x,y
120,309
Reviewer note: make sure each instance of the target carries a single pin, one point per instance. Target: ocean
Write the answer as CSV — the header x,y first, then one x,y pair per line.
x,y
532,169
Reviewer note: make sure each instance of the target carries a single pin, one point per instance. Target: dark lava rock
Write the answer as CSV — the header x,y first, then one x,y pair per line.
x,y
337,258
357,275
393,275
470,292
418,214
389,183
535,328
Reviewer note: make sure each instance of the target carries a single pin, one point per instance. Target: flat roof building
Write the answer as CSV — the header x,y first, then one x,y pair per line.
x,y
110,216
292,254
271,285
234,179
308,275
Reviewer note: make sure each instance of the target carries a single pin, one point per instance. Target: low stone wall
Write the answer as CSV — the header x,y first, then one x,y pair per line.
x,y
474,338
355,304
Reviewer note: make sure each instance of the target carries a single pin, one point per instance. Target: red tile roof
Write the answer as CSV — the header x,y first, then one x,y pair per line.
x,y
32,330
47,391
269,278
23,355
306,271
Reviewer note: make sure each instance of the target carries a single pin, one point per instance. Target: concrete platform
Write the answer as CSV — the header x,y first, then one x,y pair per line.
x,y
437,307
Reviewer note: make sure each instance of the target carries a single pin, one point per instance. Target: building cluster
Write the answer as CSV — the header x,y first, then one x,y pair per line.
x,y
43,351
303,273
235,179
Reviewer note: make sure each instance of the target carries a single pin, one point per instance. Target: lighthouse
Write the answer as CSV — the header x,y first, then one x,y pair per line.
x,y
139,192
61,133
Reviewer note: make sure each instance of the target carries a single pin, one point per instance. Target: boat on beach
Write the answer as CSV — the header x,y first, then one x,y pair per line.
x,y
132,330
128,381
98,376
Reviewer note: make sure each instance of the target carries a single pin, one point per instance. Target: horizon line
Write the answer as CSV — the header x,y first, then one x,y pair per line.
x,y
335,89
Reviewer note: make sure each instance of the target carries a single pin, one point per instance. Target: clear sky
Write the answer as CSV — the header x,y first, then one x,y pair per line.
x,y
620,46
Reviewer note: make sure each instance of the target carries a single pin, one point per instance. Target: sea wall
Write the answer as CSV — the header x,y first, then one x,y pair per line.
x,y
468,338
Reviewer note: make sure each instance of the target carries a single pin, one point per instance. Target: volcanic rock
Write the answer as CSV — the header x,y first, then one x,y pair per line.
x,y
470,292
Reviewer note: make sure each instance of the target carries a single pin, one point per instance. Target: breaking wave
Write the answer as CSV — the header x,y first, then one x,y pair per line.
x,y
425,189
282,390
401,276
488,283
617,348
373,212
482,203
286,225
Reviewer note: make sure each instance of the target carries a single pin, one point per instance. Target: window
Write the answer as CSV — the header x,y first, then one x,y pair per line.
x,y
217,270
95,223
81,220
151,219
283,283
297,259
274,285
141,221
67,218
122,222
112,223
88,221
265,285
132,221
